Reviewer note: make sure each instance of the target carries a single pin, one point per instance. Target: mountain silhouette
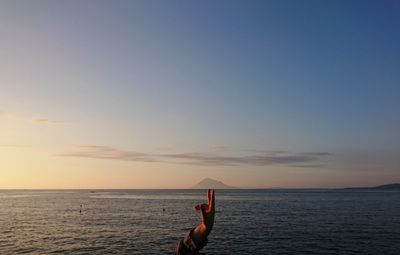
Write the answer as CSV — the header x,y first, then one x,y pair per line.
x,y
392,186
209,183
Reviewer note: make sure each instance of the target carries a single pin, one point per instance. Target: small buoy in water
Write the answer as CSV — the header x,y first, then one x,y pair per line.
x,y
80,210
163,209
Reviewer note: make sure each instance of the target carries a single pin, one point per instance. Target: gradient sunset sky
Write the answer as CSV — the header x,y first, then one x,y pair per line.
x,y
160,94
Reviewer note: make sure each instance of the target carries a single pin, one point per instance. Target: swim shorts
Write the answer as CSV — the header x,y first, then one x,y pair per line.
x,y
188,247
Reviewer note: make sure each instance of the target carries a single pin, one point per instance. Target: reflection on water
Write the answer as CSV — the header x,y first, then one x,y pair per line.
x,y
16,195
192,197
247,222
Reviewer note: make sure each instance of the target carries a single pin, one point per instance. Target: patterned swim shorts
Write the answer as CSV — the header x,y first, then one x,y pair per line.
x,y
188,247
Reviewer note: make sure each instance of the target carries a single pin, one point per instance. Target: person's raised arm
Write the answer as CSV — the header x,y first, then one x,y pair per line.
x,y
196,239
207,212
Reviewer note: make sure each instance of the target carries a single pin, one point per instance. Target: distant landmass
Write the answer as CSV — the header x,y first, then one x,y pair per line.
x,y
392,186
209,183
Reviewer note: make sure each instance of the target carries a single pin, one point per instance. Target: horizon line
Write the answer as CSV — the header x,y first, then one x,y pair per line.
x,y
271,188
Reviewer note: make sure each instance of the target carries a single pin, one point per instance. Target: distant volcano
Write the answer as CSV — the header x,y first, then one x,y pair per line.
x,y
209,183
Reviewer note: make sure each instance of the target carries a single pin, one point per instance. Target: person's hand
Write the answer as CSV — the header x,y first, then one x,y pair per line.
x,y
207,212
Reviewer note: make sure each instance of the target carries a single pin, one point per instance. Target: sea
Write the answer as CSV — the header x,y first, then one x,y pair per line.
x,y
271,221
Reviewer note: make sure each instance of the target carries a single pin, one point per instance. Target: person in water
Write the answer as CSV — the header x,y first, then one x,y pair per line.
x,y
197,238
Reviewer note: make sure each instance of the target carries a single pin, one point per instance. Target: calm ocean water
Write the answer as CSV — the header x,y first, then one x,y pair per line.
x,y
247,221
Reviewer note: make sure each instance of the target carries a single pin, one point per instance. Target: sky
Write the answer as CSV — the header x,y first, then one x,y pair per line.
x,y
161,94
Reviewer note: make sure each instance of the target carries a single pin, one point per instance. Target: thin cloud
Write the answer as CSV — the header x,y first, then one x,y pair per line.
x,y
105,152
308,165
317,153
28,119
254,160
266,158
46,121
221,147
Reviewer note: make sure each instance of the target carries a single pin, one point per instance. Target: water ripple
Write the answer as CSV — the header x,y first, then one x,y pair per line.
x,y
247,222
